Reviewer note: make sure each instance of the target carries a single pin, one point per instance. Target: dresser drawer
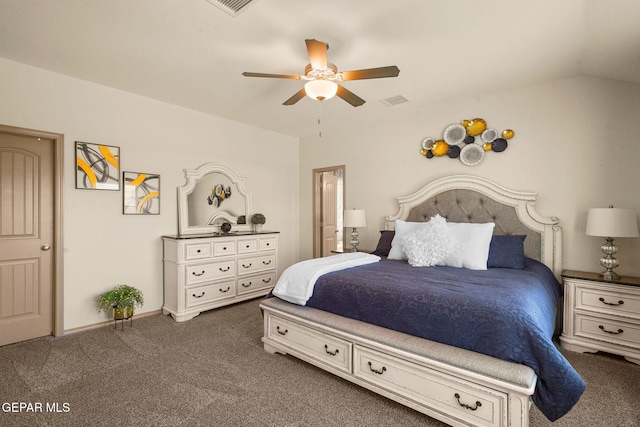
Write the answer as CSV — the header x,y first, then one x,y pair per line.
x,y
615,302
199,295
197,251
268,244
247,246
256,264
608,329
473,403
314,344
254,283
224,248
211,271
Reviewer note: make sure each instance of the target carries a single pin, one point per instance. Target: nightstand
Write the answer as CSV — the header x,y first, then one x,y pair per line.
x,y
601,314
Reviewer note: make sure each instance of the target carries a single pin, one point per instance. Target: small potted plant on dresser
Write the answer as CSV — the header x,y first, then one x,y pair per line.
x,y
258,220
123,299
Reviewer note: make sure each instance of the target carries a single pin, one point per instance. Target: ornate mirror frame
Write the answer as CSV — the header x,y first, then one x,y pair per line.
x,y
193,176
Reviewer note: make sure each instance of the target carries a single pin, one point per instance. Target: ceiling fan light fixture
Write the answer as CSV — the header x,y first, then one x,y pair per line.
x,y
321,89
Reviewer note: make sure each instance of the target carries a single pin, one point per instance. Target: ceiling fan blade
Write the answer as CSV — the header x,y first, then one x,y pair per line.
x,y
371,73
349,96
296,97
317,53
275,76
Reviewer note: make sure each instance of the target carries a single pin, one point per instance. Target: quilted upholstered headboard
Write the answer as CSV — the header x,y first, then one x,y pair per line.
x,y
466,198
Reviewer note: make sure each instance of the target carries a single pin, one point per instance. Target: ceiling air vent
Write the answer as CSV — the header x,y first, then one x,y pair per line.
x,y
232,7
394,100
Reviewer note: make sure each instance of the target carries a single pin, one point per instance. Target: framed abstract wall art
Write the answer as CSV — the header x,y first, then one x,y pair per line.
x,y
97,166
141,195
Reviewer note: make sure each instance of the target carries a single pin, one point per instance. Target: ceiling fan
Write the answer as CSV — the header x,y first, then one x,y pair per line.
x,y
323,77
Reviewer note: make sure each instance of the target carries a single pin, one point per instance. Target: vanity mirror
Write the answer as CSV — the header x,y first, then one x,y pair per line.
x,y
212,195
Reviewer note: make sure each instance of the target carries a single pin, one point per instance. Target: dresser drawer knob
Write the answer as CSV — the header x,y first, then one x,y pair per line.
x,y
329,352
464,405
198,296
285,332
197,274
610,303
266,280
225,269
225,290
246,266
266,262
246,285
611,332
198,251
376,371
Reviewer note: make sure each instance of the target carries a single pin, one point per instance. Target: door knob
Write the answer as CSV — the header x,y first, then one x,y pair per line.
x,y
45,247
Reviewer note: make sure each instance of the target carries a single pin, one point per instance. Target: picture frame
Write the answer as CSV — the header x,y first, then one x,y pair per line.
x,y
97,166
141,193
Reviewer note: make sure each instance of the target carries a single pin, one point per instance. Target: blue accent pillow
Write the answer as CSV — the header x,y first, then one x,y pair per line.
x,y
506,251
384,244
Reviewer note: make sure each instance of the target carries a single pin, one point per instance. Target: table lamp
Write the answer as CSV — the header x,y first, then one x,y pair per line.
x,y
354,218
609,223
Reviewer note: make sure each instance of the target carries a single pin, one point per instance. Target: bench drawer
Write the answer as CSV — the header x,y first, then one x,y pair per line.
x,y
472,403
314,344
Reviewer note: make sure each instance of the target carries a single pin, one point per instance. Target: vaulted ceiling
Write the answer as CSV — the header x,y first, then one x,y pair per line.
x,y
192,54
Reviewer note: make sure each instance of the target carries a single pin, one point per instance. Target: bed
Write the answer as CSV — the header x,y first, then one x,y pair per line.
x,y
468,346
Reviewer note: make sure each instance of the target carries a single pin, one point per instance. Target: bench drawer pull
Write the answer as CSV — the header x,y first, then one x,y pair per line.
x,y
464,405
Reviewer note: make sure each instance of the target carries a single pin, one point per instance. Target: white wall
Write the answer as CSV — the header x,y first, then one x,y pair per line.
x,y
103,247
576,143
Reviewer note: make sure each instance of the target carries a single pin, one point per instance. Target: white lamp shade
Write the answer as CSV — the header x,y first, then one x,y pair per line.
x,y
354,218
320,89
612,222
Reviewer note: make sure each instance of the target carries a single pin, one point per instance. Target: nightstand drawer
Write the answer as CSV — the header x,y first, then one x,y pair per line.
x,y
616,302
610,330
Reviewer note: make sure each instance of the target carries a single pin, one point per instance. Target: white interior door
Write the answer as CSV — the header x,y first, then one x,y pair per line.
x,y
26,237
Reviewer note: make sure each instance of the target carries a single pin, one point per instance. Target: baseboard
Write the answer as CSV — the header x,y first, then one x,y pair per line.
x,y
105,323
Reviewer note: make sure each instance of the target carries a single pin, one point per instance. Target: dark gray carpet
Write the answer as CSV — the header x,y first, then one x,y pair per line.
x,y
213,371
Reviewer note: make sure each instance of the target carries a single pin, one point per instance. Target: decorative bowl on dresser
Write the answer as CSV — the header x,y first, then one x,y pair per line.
x,y
202,272
601,314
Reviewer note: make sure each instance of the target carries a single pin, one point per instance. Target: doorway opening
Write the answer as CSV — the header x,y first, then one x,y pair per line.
x,y
328,207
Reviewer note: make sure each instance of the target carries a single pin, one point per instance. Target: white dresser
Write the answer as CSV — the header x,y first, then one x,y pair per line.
x,y
202,272
601,314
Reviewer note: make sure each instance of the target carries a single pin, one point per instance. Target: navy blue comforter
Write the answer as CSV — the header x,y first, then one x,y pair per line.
x,y
504,313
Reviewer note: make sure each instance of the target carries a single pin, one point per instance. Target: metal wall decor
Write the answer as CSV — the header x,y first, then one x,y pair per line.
x,y
467,141
219,194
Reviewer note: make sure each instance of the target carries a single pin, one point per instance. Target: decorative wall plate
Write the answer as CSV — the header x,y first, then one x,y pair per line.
x,y
455,134
472,154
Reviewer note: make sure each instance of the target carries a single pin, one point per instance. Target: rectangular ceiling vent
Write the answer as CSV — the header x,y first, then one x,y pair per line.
x,y
232,7
394,100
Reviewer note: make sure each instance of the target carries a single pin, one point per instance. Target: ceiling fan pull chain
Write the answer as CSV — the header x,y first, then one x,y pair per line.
x,y
319,117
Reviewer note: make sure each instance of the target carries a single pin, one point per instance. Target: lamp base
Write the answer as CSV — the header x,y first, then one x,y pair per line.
x,y
354,240
609,275
608,261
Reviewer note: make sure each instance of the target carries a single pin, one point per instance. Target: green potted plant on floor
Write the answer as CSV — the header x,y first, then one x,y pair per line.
x,y
258,220
122,299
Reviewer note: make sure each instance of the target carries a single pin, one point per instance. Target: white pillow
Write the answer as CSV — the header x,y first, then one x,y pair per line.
x,y
429,245
402,228
473,248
